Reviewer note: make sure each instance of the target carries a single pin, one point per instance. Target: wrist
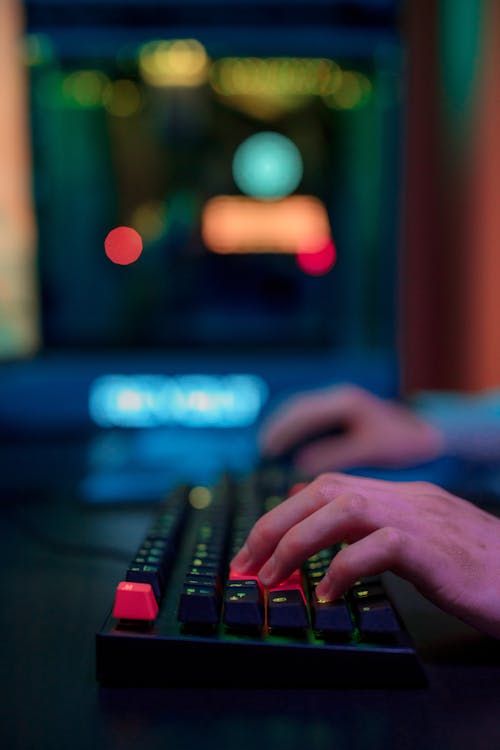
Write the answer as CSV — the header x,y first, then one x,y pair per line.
x,y
466,426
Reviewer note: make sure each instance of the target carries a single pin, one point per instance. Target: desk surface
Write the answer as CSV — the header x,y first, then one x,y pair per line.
x,y
62,560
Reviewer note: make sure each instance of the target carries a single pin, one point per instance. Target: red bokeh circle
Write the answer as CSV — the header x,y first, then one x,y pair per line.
x,y
123,245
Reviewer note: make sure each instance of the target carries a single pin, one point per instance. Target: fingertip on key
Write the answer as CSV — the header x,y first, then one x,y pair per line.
x,y
324,594
267,573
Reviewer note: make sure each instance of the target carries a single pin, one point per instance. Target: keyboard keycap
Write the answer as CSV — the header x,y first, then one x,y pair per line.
x,y
151,574
364,591
199,605
376,616
292,583
243,604
135,601
286,609
331,617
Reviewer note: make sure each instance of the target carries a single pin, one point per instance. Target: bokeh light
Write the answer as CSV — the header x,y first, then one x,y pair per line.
x,y
123,245
37,49
237,224
150,220
84,88
122,98
355,91
274,76
200,497
174,62
317,262
267,165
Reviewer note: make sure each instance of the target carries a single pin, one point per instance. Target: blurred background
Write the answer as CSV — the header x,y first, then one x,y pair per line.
x,y
205,206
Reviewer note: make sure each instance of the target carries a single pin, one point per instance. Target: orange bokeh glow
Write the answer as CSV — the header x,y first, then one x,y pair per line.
x,y
237,224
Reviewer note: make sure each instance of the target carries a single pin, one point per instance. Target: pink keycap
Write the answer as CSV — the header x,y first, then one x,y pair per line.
x,y
135,601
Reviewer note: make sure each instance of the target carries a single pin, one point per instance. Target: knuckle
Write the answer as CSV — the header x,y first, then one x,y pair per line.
x,y
424,487
355,394
392,539
320,484
325,488
323,483
348,389
351,504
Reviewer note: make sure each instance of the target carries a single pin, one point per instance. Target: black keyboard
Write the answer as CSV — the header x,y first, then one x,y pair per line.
x,y
182,617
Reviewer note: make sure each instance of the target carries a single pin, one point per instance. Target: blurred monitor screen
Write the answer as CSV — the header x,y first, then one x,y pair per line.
x,y
193,194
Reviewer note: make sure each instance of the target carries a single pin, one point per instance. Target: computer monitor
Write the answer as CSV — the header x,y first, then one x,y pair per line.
x,y
216,193
257,165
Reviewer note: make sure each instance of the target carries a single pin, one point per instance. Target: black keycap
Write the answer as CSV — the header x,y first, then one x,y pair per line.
x,y
331,617
364,591
243,605
203,580
286,609
199,605
151,574
377,616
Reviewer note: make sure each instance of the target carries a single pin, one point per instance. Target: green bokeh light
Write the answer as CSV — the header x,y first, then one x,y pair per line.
x,y
267,165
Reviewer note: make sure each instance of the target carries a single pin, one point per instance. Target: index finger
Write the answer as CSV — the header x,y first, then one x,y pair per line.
x,y
271,527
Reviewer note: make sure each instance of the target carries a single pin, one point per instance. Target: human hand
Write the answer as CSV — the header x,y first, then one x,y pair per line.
x,y
374,432
446,546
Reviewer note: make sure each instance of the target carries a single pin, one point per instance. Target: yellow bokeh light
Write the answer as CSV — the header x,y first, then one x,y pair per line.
x,y
150,220
176,62
354,91
200,497
236,76
122,98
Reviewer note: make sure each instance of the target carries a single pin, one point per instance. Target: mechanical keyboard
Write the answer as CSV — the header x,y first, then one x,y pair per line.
x,y
182,617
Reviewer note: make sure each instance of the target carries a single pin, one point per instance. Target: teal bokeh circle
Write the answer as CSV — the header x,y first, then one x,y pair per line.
x,y
267,165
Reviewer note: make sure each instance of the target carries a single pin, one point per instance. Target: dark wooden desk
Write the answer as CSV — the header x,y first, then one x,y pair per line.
x,y
61,561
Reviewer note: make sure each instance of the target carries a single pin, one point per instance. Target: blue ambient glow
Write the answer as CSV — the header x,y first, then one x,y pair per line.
x,y
267,165
185,400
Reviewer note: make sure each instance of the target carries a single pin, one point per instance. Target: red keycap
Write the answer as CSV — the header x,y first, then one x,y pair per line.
x,y
235,576
135,601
